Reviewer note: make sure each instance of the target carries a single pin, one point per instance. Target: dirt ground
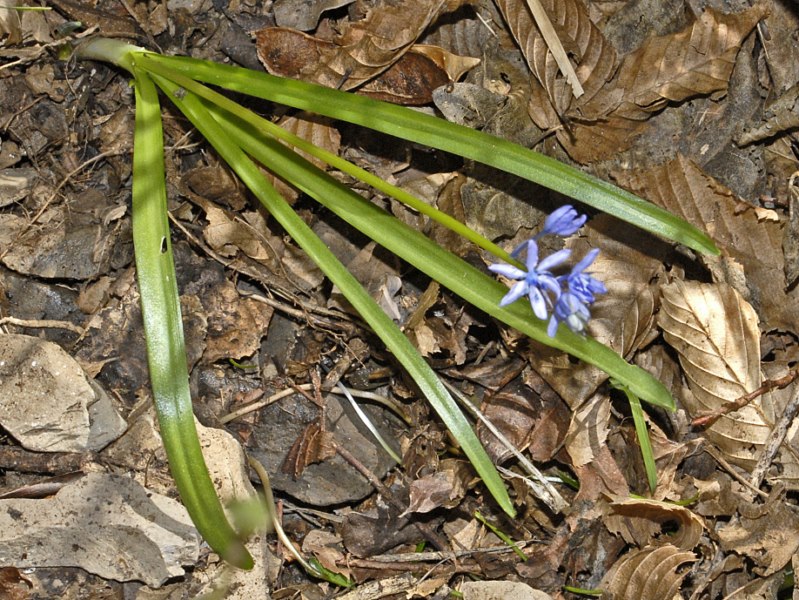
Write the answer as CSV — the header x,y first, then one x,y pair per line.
x,y
690,104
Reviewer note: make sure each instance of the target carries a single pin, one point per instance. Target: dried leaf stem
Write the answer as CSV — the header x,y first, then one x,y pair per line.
x,y
555,47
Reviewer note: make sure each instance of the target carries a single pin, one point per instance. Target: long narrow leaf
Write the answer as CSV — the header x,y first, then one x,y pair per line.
x,y
382,325
446,268
438,133
330,158
166,353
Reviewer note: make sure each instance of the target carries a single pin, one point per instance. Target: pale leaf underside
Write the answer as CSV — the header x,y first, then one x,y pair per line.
x,y
716,335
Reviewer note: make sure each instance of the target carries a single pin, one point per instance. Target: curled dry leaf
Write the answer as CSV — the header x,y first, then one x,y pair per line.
x,y
588,430
715,332
365,49
641,522
696,61
651,573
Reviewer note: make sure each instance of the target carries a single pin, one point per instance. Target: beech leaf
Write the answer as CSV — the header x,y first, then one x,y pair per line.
x,y
651,573
715,332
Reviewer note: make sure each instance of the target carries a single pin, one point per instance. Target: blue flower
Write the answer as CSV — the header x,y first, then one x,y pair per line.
x,y
571,310
584,286
563,222
538,283
579,293
569,296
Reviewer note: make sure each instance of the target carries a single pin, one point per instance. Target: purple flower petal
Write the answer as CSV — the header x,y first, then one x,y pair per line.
x,y
508,271
516,292
564,221
553,260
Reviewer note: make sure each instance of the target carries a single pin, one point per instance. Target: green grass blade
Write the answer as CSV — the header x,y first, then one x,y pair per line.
x,y
163,330
642,434
382,325
471,284
438,133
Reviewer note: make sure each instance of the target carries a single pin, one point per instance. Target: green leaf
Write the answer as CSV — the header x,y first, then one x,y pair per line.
x,y
438,133
429,384
642,434
166,353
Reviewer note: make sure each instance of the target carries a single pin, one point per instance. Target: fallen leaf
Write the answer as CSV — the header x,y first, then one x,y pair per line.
x,y
445,487
649,522
362,51
651,573
594,56
588,430
10,28
768,535
716,335
696,61
303,14
754,247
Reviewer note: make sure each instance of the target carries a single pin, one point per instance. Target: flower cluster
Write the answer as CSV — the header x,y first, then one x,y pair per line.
x,y
559,298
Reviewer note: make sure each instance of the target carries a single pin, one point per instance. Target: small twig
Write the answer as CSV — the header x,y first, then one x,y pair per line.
x,y
782,382
732,471
775,439
439,556
382,400
43,324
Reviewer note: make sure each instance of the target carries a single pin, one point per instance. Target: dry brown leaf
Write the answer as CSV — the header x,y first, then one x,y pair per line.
x,y
588,430
514,415
235,324
696,61
651,573
595,57
316,130
365,48
716,335
410,80
445,487
313,445
781,115
10,28
681,187
641,522
454,65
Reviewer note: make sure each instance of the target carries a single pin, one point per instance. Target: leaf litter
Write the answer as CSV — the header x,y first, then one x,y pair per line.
x,y
691,108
